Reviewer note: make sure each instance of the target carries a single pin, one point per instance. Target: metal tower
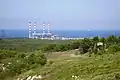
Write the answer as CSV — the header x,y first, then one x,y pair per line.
x,y
2,33
30,30
48,26
34,28
43,28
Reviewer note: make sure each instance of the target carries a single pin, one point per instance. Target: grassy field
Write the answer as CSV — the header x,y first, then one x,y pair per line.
x,y
34,41
27,45
61,61
64,65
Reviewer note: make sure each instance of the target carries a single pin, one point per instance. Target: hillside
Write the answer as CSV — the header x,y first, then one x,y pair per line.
x,y
101,67
86,59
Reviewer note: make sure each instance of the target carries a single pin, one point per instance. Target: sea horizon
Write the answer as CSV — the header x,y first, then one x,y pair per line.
x,y
9,33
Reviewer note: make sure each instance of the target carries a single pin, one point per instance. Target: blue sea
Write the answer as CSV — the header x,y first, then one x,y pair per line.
x,y
65,33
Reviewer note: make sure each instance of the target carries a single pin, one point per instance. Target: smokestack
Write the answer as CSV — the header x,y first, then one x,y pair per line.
x,y
43,28
2,34
34,28
48,28
30,30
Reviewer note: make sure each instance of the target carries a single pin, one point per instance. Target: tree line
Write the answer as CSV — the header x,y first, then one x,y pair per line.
x,y
85,45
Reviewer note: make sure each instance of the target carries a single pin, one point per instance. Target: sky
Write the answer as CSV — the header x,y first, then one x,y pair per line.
x,y
61,14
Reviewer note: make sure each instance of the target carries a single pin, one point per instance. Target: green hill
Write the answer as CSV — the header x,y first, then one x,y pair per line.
x,y
86,59
101,67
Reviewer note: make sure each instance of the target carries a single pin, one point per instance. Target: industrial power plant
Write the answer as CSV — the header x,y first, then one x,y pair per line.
x,y
45,32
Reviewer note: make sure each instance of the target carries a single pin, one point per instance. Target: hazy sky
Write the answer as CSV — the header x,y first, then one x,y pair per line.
x,y
62,14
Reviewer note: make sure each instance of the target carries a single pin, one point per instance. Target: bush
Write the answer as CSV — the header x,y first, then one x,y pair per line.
x,y
117,76
17,67
7,54
40,59
101,52
36,58
114,48
61,47
20,55
50,62
48,48
25,61
57,48
75,44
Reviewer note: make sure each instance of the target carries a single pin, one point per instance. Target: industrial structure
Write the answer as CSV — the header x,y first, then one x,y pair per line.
x,y
2,34
45,34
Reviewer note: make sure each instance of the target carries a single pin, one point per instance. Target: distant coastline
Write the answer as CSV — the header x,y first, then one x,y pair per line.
x,y
9,33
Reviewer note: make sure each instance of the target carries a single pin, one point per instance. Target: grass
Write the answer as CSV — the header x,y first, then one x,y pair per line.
x,y
34,41
64,65
101,67
27,45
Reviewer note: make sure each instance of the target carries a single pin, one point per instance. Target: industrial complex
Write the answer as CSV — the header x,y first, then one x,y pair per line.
x,y
45,34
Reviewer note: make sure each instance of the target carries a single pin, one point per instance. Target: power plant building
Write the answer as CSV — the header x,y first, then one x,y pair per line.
x,y
45,34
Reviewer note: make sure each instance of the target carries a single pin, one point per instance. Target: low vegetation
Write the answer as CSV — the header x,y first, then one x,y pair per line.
x,y
27,45
86,59
14,63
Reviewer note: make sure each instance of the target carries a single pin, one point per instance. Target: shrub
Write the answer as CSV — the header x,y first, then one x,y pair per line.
x,y
61,47
114,48
40,59
96,39
48,48
23,62
75,44
117,76
20,55
16,67
101,52
7,54
50,62
57,48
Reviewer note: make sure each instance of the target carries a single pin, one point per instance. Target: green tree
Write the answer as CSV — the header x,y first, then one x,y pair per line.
x,y
88,42
57,48
41,59
103,40
95,49
81,50
75,44
90,50
96,39
114,48
112,40
62,47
